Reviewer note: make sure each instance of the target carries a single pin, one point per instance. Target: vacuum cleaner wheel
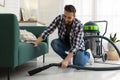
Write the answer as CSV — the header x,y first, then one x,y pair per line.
x,y
104,57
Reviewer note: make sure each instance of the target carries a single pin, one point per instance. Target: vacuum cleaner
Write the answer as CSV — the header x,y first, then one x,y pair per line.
x,y
95,44
96,37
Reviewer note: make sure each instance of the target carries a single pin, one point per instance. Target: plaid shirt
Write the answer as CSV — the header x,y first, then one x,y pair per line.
x,y
76,34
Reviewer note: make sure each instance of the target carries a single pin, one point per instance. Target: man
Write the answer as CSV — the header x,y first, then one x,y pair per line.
x,y
70,32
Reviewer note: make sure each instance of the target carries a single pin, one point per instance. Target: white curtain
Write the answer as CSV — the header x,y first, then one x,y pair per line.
x,y
110,11
99,10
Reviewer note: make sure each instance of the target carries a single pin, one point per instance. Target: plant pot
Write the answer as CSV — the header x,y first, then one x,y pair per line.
x,y
117,45
112,55
110,47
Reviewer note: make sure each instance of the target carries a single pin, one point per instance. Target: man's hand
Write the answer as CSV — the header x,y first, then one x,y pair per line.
x,y
64,64
34,43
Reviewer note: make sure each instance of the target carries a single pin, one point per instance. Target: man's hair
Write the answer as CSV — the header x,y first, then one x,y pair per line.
x,y
70,8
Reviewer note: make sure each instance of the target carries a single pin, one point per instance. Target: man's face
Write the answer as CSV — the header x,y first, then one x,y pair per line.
x,y
68,17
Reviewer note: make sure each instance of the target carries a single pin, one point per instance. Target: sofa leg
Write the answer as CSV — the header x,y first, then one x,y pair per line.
x,y
8,73
43,58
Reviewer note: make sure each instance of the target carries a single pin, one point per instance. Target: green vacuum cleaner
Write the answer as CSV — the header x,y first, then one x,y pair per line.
x,y
91,27
95,44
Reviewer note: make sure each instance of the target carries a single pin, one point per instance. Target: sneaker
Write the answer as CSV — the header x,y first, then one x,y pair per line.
x,y
91,60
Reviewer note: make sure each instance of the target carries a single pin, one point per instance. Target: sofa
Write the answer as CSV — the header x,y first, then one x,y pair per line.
x,y
14,53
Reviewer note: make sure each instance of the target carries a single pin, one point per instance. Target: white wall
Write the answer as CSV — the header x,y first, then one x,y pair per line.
x,y
49,9
11,6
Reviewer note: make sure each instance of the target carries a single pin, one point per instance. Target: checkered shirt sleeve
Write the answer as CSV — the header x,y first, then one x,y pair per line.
x,y
50,28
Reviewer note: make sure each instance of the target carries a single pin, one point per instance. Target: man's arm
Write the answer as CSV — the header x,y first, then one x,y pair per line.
x,y
65,62
77,41
47,32
51,28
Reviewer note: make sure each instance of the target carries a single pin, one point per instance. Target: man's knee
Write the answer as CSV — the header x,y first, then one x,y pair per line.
x,y
79,63
80,58
54,42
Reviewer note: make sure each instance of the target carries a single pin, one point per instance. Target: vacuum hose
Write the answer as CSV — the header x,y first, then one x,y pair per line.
x,y
34,71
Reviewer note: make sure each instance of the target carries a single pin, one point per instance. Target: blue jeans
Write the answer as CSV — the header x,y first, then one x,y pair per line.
x,y
80,58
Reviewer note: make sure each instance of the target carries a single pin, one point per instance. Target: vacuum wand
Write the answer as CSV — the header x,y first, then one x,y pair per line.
x,y
40,69
34,71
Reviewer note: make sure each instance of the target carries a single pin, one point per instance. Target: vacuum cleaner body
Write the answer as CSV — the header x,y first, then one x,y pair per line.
x,y
95,44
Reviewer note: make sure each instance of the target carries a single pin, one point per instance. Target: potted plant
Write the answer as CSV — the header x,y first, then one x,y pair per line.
x,y
113,38
112,54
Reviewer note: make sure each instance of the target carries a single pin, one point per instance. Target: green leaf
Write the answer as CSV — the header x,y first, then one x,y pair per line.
x,y
113,37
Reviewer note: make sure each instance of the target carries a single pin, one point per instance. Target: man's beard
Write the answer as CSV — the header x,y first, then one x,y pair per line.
x,y
68,23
